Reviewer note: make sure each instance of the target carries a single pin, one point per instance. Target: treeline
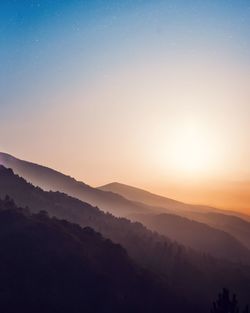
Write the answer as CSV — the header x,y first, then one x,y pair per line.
x,y
227,304
53,266
185,272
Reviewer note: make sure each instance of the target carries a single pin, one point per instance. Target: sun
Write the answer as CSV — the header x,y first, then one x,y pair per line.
x,y
192,149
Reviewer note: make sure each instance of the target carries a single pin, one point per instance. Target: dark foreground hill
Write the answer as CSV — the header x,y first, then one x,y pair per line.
x,y
53,266
190,275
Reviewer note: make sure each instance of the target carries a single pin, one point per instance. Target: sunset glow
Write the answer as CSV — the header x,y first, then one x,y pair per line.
x,y
124,156
150,93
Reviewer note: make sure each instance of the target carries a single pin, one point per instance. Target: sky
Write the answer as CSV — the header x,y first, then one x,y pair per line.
x,y
150,93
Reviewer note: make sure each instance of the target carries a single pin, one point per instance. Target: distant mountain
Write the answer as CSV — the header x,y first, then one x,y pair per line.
x,y
234,223
186,273
50,265
197,235
140,195
119,199
148,198
51,180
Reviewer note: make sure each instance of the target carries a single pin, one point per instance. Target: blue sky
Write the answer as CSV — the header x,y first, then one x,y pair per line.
x,y
120,76
53,37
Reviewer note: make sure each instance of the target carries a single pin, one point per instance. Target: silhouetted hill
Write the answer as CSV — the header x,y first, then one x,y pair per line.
x,y
50,265
234,225
186,273
193,234
196,235
51,180
148,198
140,195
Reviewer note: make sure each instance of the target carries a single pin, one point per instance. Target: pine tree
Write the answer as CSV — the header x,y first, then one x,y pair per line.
x,y
226,304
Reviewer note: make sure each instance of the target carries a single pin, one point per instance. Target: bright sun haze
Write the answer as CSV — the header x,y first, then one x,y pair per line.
x,y
146,92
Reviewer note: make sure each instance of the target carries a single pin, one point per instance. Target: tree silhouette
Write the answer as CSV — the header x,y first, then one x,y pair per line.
x,y
226,304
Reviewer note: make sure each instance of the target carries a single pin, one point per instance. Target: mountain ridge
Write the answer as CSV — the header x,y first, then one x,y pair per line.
x,y
50,179
114,202
176,265
197,236
51,265
147,197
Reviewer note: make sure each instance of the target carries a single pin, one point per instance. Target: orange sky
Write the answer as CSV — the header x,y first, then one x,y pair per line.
x,y
234,196
141,92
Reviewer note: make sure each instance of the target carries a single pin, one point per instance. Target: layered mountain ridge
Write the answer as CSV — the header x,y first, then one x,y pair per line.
x,y
185,272
187,224
53,266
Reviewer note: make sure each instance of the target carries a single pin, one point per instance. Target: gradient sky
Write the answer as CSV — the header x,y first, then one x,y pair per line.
x,y
151,93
